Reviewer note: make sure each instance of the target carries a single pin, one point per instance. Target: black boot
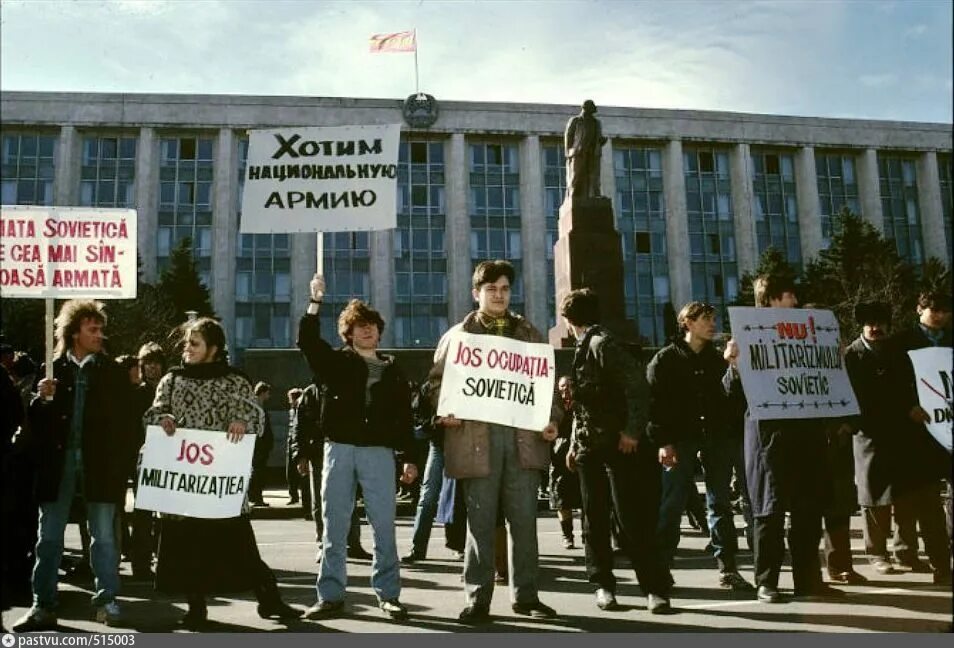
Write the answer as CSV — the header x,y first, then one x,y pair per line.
x,y
270,603
567,527
197,617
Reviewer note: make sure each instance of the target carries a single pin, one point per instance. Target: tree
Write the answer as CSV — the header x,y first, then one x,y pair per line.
x,y
180,282
773,262
860,265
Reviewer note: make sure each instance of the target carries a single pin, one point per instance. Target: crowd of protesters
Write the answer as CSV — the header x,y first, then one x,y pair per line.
x,y
622,446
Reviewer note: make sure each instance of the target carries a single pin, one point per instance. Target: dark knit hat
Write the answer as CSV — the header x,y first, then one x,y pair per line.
x,y
872,312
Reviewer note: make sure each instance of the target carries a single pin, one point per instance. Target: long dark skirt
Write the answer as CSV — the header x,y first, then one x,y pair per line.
x,y
210,557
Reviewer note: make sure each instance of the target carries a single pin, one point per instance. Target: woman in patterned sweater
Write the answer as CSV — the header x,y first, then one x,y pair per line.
x,y
201,557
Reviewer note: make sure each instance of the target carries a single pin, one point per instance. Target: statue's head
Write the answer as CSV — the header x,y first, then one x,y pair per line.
x,y
589,106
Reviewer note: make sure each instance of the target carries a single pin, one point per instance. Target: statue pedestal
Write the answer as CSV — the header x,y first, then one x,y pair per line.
x,y
589,254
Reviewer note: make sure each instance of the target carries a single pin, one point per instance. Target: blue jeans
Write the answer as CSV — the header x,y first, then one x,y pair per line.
x,y
427,504
104,556
719,457
676,485
345,467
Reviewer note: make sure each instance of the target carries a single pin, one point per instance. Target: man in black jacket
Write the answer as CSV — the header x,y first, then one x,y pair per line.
x,y
618,465
80,427
786,470
366,416
689,408
921,505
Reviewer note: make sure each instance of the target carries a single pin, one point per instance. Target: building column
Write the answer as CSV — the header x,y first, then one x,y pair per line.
x,y
746,250
809,212
608,175
533,228
147,201
224,229
869,189
304,264
382,280
66,172
457,231
932,214
677,225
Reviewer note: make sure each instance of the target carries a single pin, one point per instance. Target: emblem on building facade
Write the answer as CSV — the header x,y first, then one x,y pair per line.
x,y
420,110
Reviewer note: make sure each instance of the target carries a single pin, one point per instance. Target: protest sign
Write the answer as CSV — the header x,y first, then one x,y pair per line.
x,y
67,252
497,380
198,473
791,364
321,179
932,371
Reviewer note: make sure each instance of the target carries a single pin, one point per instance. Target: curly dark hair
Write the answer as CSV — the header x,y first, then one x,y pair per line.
x,y
355,313
71,316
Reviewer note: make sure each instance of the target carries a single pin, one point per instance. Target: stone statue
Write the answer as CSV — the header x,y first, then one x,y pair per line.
x,y
583,143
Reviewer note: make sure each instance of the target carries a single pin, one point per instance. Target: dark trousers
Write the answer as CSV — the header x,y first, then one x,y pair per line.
x,y
629,486
838,544
803,538
921,507
294,479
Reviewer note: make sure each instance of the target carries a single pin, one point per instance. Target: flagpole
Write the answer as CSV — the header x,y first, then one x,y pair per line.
x,y
417,82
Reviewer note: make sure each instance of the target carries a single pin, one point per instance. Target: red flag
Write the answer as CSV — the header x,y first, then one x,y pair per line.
x,y
405,41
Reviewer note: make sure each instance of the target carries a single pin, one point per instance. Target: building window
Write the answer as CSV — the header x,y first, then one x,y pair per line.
x,y
26,177
420,255
642,223
185,199
554,191
713,265
495,209
837,188
947,198
108,172
899,203
775,204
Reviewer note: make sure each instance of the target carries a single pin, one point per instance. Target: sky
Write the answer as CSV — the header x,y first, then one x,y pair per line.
x,y
855,59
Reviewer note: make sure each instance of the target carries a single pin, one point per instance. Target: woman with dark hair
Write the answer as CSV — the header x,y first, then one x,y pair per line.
x,y
202,557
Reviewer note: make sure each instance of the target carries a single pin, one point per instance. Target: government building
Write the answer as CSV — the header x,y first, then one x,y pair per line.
x,y
698,196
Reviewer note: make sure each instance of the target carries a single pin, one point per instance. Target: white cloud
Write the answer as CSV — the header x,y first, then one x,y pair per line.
x,y
915,31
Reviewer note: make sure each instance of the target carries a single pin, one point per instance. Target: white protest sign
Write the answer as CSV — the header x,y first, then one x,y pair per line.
x,y
198,473
497,380
321,179
67,252
932,370
791,364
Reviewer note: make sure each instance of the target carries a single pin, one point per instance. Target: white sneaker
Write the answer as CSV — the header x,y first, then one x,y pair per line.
x,y
110,613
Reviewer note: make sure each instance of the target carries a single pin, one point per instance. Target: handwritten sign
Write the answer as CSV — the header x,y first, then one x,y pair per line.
x,y
321,179
791,364
198,473
67,252
932,370
497,380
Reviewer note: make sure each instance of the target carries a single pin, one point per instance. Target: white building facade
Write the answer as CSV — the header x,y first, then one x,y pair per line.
x,y
698,196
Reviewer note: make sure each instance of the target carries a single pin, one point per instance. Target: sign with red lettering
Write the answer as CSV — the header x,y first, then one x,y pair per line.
x,y
791,363
198,473
932,371
67,252
321,179
497,380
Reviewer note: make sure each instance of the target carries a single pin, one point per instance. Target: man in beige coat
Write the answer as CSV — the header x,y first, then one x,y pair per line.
x,y
496,464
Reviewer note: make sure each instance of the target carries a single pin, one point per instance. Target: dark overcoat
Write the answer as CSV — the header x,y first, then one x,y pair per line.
x,y
786,463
